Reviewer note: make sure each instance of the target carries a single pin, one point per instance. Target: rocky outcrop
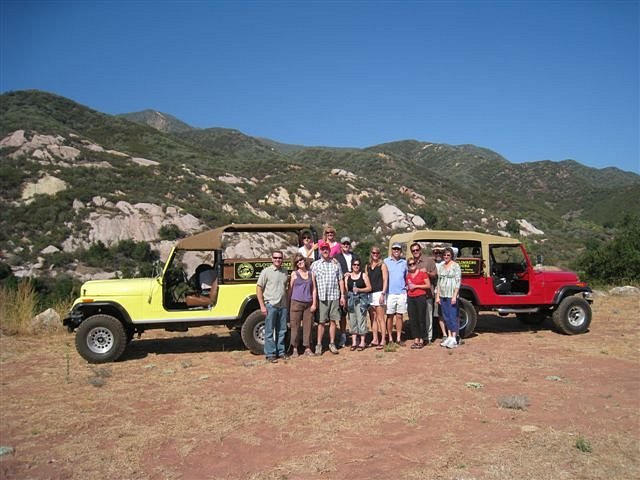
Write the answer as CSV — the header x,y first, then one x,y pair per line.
x,y
55,149
395,219
527,228
47,185
122,220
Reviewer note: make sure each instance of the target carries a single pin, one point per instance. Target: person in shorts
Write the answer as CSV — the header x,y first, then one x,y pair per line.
x,y
378,277
396,292
331,295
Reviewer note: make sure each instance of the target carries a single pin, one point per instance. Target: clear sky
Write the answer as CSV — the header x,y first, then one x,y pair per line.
x,y
531,80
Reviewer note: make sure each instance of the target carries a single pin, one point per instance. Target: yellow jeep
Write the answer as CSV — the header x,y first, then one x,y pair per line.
x,y
109,313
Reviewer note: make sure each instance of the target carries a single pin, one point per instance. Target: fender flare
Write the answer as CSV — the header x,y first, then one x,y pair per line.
x,y
469,294
82,311
568,291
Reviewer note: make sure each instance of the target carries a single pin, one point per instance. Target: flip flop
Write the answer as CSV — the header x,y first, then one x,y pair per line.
x,y
360,348
353,348
379,347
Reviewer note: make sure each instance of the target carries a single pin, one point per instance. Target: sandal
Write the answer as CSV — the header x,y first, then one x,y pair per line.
x,y
415,346
353,348
380,347
361,348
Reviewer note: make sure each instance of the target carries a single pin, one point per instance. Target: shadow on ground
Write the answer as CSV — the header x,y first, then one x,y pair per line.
x,y
210,342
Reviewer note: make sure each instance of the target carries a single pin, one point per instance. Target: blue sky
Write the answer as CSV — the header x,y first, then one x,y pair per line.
x,y
531,80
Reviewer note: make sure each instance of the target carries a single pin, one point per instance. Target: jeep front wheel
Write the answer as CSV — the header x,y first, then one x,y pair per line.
x,y
252,332
572,316
101,339
468,317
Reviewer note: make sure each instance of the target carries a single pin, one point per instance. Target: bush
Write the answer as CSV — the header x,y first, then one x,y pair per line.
x,y
170,232
616,261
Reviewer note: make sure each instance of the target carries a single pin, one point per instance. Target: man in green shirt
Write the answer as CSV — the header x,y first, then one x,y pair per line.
x,y
271,290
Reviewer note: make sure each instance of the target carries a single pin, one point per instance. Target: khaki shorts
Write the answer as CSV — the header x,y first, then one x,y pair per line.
x,y
397,303
328,311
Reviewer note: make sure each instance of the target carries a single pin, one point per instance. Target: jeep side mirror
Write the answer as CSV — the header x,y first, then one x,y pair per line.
x,y
539,259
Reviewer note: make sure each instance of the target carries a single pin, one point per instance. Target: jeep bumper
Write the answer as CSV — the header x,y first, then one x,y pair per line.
x,y
73,320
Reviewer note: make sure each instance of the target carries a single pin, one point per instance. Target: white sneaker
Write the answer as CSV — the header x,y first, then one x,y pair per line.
x,y
444,342
451,343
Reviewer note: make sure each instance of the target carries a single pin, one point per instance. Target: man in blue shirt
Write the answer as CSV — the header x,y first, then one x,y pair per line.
x,y
397,292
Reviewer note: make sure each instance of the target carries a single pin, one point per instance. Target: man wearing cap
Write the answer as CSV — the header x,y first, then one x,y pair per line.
x,y
331,295
397,291
344,258
427,265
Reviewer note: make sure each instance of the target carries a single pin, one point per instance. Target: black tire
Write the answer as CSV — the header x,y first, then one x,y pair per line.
x,y
468,317
537,318
573,315
252,332
101,339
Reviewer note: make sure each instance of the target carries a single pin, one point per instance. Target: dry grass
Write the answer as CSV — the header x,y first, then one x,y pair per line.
x,y
17,309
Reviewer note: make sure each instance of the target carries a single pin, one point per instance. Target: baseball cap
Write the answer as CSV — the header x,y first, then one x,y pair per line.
x,y
345,240
396,245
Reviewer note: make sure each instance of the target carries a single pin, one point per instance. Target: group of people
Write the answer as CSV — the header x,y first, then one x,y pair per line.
x,y
337,286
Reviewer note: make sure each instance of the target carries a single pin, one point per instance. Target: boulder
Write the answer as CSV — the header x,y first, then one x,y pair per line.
x,y
47,320
625,291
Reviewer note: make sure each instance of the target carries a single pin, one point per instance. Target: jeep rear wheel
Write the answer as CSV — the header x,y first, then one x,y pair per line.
x,y
572,316
252,332
468,317
101,338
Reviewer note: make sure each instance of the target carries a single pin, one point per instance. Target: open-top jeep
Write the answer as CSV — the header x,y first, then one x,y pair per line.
x,y
109,313
498,275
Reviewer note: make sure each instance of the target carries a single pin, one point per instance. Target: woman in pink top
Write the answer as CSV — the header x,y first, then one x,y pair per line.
x,y
330,239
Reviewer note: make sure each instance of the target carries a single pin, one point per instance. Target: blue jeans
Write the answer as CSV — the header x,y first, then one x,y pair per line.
x,y
450,314
275,324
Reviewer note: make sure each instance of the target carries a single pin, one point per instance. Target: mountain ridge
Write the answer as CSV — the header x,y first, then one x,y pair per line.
x,y
220,176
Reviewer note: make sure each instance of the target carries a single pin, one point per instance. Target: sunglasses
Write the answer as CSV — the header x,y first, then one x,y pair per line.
x,y
300,260
306,238
411,264
375,253
277,258
415,250
446,255
330,233
396,248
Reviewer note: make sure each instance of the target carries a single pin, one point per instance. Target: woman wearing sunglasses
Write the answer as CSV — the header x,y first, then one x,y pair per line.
x,y
449,277
378,275
302,287
418,285
358,288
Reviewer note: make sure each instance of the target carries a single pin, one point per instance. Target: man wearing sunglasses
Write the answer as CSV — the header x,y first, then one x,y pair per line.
x,y
271,290
397,292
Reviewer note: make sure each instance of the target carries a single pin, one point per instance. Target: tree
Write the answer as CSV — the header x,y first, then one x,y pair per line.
x,y
616,261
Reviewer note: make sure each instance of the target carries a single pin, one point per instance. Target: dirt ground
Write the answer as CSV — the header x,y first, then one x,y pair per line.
x,y
198,406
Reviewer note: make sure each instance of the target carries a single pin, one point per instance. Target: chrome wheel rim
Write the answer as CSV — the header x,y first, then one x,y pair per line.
x,y
576,316
100,340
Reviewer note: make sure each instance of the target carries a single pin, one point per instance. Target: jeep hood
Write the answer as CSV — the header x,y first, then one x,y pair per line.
x,y
557,274
117,287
